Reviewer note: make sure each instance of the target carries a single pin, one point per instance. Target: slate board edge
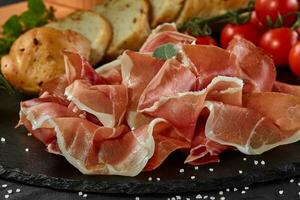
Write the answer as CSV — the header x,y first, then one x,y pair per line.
x,y
162,187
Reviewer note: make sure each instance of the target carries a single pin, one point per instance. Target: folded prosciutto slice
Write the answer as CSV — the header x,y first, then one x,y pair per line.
x,y
129,115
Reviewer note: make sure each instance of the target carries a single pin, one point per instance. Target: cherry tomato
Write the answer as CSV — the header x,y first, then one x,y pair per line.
x,y
256,22
247,31
294,59
205,40
278,43
274,8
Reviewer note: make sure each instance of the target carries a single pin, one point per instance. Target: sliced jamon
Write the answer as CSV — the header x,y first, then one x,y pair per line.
x,y
94,149
167,140
245,129
286,88
77,67
170,80
111,72
282,109
257,68
208,61
182,109
55,87
107,102
165,35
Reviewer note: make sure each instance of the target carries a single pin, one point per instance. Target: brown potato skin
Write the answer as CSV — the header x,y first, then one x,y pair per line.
x,y
36,57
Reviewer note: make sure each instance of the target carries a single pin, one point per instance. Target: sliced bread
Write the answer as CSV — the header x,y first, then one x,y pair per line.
x,y
130,23
164,11
91,25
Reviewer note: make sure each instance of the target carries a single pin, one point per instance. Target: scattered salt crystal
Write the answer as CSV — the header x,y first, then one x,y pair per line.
x,y
6,196
150,179
193,177
173,198
243,192
205,197
235,189
298,183
18,190
84,196
29,134
80,193
2,139
212,198
221,193
227,190
262,162
178,197
26,149
196,167
187,198
245,159
181,170
246,188
292,181
222,198
137,198
211,169
280,191
198,196
255,162
158,179
240,171
4,185
299,193
9,191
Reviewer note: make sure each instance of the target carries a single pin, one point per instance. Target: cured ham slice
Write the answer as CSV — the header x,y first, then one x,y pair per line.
x,y
111,72
100,150
107,102
208,61
245,129
170,80
167,140
165,34
287,88
257,68
182,109
287,113
55,87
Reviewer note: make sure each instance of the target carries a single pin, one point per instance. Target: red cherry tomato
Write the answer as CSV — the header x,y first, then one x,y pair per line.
x,y
205,40
256,22
274,8
247,31
278,43
294,59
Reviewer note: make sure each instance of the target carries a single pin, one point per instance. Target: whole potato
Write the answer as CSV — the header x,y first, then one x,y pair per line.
x,y
36,57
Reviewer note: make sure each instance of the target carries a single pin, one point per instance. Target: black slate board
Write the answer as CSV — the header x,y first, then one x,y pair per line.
x,y
37,167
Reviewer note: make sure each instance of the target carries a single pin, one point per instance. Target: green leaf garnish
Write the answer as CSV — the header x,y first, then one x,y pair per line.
x,y
5,85
165,51
12,27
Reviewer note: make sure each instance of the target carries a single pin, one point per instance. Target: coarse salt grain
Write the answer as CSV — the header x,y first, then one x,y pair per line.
x,y
187,198
243,192
2,139
29,134
6,196
196,167
292,181
298,183
235,189
280,191
158,179
193,177
18,190
227,190
222,198
178,197
150,179
4,185
244,159
137,198
221,193
9,191
181,170
26,149
240,171
255,162
205,197
84,196
212,198
198,196
246,188
211,169
80,193
262,162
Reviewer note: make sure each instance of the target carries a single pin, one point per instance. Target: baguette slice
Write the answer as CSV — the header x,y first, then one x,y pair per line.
x,y
129,20
91,25
208,8
164,11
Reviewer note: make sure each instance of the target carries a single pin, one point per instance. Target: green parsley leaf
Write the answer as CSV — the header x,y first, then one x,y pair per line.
x,y
12,27
5,44
37,7
165,51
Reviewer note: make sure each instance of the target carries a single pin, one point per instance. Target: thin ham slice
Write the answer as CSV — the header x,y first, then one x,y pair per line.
x,y
100,150
257,68
107,102
208,61
245,129
170,80
111,72
55,87
286,88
